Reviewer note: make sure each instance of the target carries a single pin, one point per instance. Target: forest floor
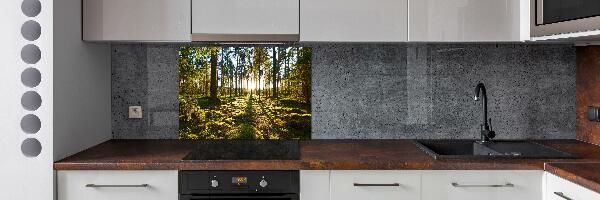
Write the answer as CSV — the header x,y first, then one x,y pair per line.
x,y
248,117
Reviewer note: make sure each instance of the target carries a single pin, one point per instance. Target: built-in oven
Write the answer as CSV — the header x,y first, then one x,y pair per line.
x,y
238,185
552,17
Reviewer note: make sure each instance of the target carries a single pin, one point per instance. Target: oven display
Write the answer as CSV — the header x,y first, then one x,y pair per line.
x,y
239,180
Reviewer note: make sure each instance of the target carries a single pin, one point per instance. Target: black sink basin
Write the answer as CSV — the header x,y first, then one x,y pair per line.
x,y
469,149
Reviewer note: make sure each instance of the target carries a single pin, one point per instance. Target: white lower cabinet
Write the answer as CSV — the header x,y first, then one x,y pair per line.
x,y
560,189
117,185
375,185
341,185
314,184
482,185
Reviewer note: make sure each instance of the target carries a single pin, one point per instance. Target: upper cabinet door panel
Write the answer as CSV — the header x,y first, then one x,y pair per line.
x,y
245,17
468,20
136,20
353,20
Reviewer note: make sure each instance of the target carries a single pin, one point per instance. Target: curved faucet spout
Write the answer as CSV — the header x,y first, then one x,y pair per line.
x,y
481,88
486,133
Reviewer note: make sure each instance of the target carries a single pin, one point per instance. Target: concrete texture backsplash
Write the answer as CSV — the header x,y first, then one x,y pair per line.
x,y
383,91
145,75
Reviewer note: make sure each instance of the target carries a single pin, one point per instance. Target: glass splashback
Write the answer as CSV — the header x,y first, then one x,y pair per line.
x,y
244,92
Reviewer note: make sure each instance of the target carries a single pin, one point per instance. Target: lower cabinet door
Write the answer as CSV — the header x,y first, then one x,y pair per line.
x,y
375,185
314,184
560,189
117,185
482,185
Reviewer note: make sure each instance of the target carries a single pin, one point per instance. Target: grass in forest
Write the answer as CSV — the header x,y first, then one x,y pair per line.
x,y
247,117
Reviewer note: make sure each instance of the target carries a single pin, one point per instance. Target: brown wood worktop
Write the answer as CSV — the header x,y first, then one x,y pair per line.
x,y
314,154
584,174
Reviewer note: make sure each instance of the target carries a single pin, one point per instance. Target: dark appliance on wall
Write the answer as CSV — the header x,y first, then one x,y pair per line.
x,y
551,17
238,185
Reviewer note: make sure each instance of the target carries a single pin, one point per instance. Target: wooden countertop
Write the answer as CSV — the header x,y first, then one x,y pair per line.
x,y
331,155
584,174
314,154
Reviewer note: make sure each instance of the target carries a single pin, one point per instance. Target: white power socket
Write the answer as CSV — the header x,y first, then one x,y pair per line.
x,y
135,112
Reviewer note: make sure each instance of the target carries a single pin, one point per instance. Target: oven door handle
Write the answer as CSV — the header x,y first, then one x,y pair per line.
x,y
190,197
254,197
285,196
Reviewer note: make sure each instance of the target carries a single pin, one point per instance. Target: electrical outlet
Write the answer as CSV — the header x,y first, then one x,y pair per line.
x,y
135,112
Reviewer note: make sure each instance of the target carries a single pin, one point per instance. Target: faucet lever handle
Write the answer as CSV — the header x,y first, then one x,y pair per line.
x,y
492,133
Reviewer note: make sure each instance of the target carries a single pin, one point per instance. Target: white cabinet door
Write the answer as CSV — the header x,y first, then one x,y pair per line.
x,y
375,185
136,20
241,20
468,21
353,20
314,185
560,189
482,185
117,185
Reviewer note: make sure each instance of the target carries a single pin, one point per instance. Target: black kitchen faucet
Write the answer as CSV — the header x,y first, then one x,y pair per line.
x,y
487,134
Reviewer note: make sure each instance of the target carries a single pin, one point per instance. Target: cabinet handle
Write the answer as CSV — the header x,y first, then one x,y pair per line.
x,y
469,186
376,184
562,195
115,186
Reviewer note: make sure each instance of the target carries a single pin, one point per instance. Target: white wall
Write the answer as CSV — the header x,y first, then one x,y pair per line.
x,y
23,177
81,84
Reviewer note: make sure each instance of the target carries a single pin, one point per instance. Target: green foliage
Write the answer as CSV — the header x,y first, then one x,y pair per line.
x,y
246,107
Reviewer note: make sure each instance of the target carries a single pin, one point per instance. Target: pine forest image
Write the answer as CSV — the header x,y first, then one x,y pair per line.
x,y
244,92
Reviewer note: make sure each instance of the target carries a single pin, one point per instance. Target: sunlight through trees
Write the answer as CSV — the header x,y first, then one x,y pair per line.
x,y
244,92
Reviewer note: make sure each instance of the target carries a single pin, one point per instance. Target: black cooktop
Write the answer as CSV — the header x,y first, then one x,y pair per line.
x,y
245,150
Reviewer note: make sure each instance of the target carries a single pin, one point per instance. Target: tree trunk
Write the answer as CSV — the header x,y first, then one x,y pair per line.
x,y
213,75
274,71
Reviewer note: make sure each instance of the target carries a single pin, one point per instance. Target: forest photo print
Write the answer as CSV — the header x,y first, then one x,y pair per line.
x,y
258,92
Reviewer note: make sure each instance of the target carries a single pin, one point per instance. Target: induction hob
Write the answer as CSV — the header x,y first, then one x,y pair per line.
x,y
245,150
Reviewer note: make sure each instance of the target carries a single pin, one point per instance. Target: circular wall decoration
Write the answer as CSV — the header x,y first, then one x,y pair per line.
x,y
31,124
31,30
31,54
31,8
31,77
31,147
31,100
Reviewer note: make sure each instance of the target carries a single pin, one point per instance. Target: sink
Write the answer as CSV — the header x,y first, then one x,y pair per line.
x,y
470,149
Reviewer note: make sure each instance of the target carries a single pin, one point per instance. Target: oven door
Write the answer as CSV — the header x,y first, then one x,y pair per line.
x,y
240,197
551,17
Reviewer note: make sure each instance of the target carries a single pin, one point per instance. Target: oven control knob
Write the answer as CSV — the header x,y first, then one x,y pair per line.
x,y
263,183
214,183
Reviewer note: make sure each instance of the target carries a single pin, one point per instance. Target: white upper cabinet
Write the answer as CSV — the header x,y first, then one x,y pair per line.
x,y
468,20
136,20
245,20
353,20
